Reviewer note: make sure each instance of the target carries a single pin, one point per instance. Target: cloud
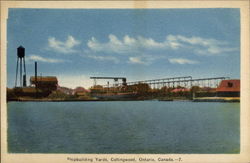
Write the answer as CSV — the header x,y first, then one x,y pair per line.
x,y
182,61
124,46
202,46
43,59
145,59
139,49
136,45
214,50
93,55
104,58
136,60
63,47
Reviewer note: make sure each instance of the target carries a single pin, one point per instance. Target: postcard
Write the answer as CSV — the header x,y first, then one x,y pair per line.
x,y
125,81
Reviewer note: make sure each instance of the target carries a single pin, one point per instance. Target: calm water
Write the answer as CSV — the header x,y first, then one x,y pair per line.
x,y
123,127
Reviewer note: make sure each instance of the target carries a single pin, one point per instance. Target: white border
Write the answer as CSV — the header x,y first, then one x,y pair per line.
x,y
61,158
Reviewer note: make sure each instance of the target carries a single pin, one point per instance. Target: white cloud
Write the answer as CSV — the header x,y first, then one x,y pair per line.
x,y
136,60
113,46
130,45
63,47
143,59
214,50
104,58
124,46
43,59
182,61
202,46
93,55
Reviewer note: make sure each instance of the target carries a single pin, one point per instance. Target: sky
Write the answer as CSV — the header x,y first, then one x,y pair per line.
x,y
139,44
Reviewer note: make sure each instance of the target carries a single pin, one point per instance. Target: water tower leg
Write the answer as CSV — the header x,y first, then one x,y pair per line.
x,y
21,72
24,76
16,71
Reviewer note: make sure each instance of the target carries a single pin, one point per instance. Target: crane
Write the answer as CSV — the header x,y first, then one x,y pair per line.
x,y
124,80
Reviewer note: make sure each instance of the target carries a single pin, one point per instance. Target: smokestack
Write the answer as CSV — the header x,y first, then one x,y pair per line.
x,y
36,77
36,74
124,81
24,81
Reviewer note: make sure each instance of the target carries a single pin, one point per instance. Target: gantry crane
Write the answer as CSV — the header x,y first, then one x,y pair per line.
x,y
124,80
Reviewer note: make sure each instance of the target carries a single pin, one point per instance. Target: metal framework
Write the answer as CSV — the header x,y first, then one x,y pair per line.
x,y
164,80
184,81
124,80
188,83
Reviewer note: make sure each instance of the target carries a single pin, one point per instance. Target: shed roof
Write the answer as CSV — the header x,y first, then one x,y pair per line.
x,y
80,89
44,79
229,86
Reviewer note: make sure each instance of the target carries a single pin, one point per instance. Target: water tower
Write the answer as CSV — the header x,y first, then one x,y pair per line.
x,y
21,65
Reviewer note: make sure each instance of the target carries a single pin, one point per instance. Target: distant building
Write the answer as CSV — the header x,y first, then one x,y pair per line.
x,y
80,91
177,90
229,88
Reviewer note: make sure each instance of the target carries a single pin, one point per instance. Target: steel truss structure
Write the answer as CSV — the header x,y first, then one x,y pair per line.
x,y
184,81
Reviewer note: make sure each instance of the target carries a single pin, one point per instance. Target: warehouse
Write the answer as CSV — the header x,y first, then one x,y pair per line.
x,y
44,82
229,88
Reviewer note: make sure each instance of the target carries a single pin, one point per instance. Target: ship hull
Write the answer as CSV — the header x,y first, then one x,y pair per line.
x,y
119,96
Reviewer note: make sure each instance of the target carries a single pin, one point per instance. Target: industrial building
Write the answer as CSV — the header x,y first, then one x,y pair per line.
x,y
40,86
229,88
44,82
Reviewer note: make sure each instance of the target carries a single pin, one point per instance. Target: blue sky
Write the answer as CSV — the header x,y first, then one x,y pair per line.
x,y
74,44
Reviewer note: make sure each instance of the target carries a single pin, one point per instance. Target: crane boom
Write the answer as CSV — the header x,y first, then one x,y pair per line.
x,y
107,78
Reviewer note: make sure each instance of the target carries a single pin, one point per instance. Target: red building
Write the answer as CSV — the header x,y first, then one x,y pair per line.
x,y
229,88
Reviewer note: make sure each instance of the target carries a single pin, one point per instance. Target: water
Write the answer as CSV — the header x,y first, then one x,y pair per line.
x,y
123,127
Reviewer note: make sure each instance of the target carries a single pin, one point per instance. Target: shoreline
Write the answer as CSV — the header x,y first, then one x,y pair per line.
x,y
201,99
217,99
